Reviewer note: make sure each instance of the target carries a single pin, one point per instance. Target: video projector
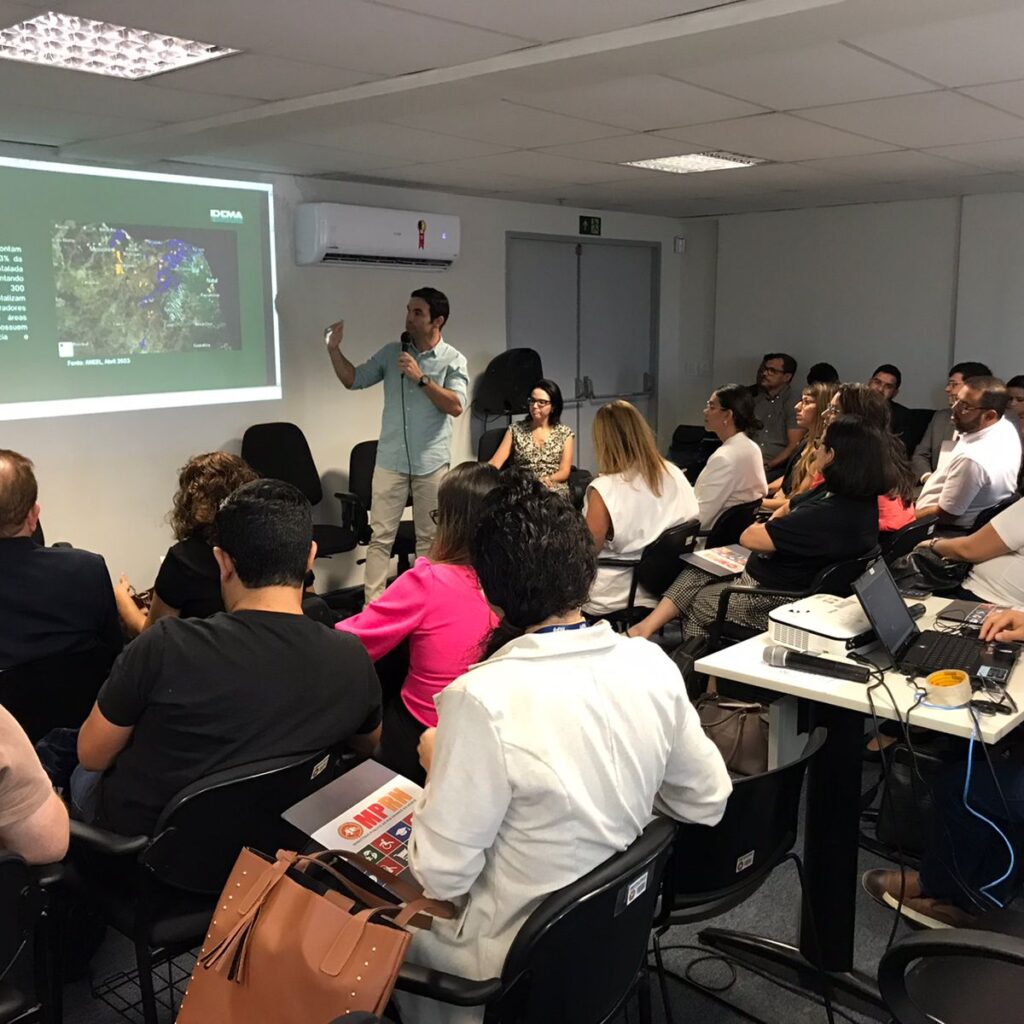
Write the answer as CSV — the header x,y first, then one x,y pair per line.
x,y
822,624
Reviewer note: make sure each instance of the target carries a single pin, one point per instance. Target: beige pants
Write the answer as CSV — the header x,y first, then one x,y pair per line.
x,y
387,503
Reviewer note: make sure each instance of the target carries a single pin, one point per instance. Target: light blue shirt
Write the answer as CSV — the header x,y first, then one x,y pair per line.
x,y
415,436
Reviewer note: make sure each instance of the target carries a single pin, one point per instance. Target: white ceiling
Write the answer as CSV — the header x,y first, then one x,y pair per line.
x,y
542,100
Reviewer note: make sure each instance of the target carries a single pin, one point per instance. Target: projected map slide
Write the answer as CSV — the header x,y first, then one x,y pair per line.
x,y
131,291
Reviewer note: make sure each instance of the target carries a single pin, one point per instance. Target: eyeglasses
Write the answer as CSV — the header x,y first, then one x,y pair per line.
x,y
772,370
435,514
538,401
961,404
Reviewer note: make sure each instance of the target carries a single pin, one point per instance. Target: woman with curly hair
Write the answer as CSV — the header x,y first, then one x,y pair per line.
x,y
188,583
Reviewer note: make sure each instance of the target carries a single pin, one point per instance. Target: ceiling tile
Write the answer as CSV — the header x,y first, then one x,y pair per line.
x,y
19,123
800,78
541,19
350,34
405,144
899,165
776,137
527,163
975,184
617,149
959,51
509,124
921,121
1005,95
262,77
452,175
60,89
639,102
1000,155
303,158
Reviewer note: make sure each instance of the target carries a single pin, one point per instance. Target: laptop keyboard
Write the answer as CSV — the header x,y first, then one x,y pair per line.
x,y
944,650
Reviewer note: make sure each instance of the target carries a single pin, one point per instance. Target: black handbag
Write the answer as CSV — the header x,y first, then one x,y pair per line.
x,y
922,569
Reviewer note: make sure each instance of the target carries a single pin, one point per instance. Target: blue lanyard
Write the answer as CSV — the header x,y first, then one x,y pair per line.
x,y
562,629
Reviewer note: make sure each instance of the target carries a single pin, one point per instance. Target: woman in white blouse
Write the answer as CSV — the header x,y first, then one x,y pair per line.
x,y
636,498
549,756
734,474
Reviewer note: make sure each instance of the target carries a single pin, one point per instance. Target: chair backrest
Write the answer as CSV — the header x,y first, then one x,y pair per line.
x,y
505,385
659,564
56,692
727,862
21,907
579,953
488,444
987,515
280,451
837,579
203,829
958,976
901,542
731,523
917,421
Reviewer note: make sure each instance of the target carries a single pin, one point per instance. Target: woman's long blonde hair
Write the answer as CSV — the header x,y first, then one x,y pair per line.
x,y
624,443
821,394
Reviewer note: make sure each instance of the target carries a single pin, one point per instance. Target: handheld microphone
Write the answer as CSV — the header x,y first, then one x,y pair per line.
x,y
406,340
783,657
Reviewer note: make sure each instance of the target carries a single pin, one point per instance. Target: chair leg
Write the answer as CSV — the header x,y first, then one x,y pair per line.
x,y
643,997
144,965
662,978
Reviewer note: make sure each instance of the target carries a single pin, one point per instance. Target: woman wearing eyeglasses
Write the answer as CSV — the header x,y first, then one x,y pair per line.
x,y
439,608
540,443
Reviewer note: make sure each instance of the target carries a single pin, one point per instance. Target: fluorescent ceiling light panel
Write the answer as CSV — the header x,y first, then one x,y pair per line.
x,y
693,163
81,44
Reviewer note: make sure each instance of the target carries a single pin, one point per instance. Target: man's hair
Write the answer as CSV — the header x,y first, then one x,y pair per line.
x,y
1016,382
859,468
822,373
788,362
459,499
203,483
18,491
893,371
266,526
737,399
624,443
994,395
970,369
437,302
533,554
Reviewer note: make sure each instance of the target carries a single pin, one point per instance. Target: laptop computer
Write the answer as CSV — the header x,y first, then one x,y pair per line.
x,y
917,653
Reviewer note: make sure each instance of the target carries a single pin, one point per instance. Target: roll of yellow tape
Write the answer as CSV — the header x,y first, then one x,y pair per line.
x,y
949,688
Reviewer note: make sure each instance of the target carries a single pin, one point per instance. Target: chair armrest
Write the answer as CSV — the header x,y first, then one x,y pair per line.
x,y
447,988
47,875
347,497
353,515
618,563
99,840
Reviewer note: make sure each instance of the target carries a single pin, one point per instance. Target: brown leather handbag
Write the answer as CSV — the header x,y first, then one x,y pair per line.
x,y
284,948
739,729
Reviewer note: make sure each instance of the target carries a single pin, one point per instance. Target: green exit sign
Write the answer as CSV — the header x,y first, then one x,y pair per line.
x,y
590,225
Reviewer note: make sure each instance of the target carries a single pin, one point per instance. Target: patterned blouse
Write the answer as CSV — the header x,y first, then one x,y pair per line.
x,y
545,460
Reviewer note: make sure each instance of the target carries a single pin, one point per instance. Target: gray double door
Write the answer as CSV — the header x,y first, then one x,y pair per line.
x,y
590,310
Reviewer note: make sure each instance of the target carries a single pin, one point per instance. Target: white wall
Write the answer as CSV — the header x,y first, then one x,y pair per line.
x,y
106,480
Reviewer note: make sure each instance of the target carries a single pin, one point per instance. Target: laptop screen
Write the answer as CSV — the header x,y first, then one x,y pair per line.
x,y
882,603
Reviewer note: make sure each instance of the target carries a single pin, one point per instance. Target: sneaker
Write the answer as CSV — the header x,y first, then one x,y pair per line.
x,y
884,887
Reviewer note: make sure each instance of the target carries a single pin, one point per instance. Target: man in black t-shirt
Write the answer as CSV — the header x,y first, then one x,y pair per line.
x,y
191,697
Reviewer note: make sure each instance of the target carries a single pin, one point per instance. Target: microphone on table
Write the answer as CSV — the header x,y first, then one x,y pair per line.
x,y
783,657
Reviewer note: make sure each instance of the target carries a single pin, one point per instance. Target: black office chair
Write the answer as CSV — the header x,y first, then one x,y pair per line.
x,y
505,385
729,526
712,870
897,543
356,503
691,447
658,566
160,891
280,451
580,956
21,917
916,423
834,579
579,480
985,517
56,692
489,443
957,976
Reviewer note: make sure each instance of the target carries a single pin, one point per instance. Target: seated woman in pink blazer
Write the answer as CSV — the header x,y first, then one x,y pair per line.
x,y
439,607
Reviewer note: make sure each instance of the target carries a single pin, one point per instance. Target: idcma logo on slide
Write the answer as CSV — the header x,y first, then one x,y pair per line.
x,y
226,216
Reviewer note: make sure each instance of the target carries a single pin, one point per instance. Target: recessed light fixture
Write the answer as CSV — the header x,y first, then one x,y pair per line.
x,y
692,163
81,44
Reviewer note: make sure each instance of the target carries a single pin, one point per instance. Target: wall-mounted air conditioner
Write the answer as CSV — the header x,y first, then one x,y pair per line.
x,y
334,233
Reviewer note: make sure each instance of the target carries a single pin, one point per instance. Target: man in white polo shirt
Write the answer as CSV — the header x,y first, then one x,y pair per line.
x,y
982,469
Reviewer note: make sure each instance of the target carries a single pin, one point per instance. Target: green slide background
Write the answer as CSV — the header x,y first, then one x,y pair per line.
x,y
35,199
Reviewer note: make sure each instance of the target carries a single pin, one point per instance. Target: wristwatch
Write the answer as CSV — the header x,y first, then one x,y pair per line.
x,y
423,381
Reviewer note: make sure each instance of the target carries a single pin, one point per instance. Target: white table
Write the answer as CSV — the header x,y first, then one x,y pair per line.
x,y
832,825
